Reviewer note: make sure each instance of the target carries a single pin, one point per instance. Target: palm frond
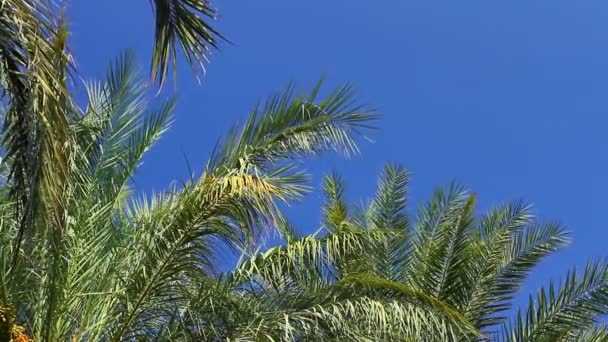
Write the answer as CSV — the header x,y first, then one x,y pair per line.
x,y
595,333
35,67
388,207
311,262
117,128
362,319
510,246
439,248
376,287
184,23
334,210
289,127
559,313
387,211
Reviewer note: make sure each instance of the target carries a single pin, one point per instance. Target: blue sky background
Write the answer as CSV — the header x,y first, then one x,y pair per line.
x,y
508,97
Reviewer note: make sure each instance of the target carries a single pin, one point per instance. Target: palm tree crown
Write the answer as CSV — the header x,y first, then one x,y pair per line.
x,y
84,259
118,268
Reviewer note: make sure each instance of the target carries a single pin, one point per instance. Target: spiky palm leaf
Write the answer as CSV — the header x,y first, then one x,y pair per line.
x,y
562,313
183,23
387,211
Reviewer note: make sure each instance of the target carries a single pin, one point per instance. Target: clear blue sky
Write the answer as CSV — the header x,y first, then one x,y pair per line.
x,y
508,97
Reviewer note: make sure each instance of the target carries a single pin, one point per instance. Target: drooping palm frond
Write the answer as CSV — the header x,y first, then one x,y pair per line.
x,y
377,287
309,263
561,313
35,68
356,319
184,23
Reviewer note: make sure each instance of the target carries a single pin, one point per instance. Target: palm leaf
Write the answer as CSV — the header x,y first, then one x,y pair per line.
x,y
387,211
35,67
183,23
510,246
334,210
439,247
561,312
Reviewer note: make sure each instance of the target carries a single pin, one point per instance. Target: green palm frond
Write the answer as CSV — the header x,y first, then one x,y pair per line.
x,y
312,262
596,333
376,287
387,211
362,319
509,247
117,128
439,253
334,210
176,236
559,313
184,23
290,126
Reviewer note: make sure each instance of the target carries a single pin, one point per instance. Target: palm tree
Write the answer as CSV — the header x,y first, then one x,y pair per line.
x,y
35,69
107,266
458,272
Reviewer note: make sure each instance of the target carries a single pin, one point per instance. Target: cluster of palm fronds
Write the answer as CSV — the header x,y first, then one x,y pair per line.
x,y
371,273
83,259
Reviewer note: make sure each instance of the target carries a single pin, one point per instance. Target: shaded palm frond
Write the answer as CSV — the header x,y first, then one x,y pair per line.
x,y
596,333
439,253
184,23
35,67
